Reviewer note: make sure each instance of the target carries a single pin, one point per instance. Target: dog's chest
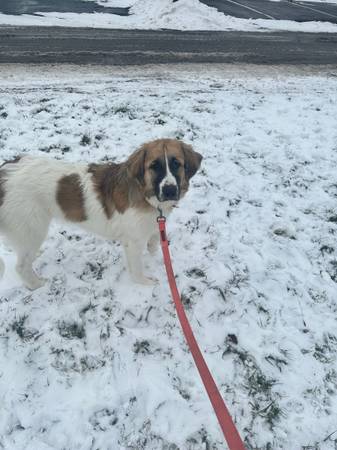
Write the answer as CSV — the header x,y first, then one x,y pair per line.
x,y
133,224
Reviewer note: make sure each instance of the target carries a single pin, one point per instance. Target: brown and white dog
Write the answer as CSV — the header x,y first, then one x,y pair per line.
x,y
116,201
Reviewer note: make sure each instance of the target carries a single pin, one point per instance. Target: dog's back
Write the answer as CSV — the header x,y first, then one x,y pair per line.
x,y
28,187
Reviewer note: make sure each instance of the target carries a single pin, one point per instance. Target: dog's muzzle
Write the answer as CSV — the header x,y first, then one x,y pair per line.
x,y
169,192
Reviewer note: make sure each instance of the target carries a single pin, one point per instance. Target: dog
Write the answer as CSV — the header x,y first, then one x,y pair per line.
x,y
115,201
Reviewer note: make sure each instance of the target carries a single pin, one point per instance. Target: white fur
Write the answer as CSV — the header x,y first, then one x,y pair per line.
x,y
169,179
30,205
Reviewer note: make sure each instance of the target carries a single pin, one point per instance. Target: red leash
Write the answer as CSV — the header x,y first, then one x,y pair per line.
x,y
226,423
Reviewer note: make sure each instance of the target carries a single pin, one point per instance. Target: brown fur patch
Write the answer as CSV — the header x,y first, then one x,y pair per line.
x,y
110,184
70,197
192,160
136,164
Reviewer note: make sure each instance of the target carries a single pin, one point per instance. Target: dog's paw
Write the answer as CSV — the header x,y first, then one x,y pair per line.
x,y
35,283
147,281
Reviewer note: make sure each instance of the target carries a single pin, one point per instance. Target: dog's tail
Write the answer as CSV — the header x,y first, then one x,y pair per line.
x,y
2,268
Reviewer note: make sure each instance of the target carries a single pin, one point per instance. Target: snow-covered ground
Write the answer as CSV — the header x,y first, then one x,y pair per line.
x,y
149,14
92,361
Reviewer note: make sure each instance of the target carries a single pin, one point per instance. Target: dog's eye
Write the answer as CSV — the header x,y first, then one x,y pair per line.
x,y
175,164
155,165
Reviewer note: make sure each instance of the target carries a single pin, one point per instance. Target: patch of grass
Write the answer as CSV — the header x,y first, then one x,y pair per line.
x,y
121,109
333,270
177,384
159,121
258,385
221,292
195,272
41,109
200,439
90,363
188,295
276,361
89,307
72,330
318,297
271,413
234,284
103,419
125,109
22,331
326,249
311,447
85,140
61,148
142,347
284,233
18,326
95,270
330,382
232,339
326,351
108,309
238,279
65,360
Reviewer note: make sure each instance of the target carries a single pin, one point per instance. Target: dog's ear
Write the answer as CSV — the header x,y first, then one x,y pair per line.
x,y
192,160
136,165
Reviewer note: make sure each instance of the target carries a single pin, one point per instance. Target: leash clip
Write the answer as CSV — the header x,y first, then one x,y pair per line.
x,y
161,216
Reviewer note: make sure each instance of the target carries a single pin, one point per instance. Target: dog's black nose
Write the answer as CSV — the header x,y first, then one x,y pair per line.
x,y
170,192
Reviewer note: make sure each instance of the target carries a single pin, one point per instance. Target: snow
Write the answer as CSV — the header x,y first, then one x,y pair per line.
x,y
92,361
181,15
120,3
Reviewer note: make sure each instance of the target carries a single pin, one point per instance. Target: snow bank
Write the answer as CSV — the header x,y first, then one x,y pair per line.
x,y
181,15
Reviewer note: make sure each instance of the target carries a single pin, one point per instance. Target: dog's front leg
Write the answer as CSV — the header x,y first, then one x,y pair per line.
x,y
133,251
153,244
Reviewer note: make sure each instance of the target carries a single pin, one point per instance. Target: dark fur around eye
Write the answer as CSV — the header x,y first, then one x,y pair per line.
x,y
174,164
155,165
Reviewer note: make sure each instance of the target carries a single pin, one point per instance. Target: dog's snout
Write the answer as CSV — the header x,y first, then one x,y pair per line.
x,y
170,192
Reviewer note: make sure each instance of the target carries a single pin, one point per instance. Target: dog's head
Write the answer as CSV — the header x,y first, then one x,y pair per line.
x,y
163,169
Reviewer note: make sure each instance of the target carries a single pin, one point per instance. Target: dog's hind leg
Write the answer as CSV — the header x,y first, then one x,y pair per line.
x,y
24,268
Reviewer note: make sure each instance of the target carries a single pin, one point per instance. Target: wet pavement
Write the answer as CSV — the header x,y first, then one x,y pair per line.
x,y
137,47
17,7
279,10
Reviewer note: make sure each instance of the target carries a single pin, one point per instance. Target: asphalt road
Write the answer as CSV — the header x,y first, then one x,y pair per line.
x,y
279,10
128,47
17,7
